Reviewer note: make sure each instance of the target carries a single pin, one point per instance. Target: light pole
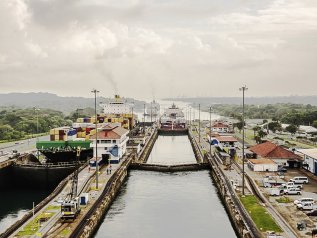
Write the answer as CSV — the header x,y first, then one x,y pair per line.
x,y
95,91
37,121
243,89
144,118
210,131
199,122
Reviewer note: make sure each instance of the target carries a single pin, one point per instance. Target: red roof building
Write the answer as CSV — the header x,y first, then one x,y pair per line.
x,y
278,154
221,127
111,143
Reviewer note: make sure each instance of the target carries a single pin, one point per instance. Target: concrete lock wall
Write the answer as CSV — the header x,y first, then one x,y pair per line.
x,y
148,148
89,223
241,220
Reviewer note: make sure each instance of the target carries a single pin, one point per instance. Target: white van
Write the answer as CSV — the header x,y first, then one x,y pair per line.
x,y
304,200
299,180
305,206
276,191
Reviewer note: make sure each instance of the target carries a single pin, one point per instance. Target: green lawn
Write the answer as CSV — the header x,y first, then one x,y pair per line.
x,y
32,227
283,200
259,215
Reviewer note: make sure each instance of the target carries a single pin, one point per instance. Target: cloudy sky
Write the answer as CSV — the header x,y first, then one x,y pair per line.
x,y
159,48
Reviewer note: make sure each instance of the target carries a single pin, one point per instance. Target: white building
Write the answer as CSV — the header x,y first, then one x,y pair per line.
x,y
310,159
111,143
221,127
262,165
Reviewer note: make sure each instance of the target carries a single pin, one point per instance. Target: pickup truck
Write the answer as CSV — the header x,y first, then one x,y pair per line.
x,y
292,184
270,181
292,191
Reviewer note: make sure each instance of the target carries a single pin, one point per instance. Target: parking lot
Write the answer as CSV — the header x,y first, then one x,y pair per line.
x,y
288,210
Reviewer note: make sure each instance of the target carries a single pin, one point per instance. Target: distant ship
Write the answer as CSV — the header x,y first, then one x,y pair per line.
x,y
153,109
173,121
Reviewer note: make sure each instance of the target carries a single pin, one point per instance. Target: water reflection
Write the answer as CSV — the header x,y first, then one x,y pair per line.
x,y
172,150
167,205
15,203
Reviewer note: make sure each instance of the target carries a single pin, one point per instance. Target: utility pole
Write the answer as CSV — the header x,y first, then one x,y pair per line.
x,y
199,122
243,89
190,116
210,132
151,112
95,91
36,110
144,119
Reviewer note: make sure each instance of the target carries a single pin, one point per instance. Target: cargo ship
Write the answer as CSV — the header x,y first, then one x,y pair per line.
x,y
64,141
120,111
173,121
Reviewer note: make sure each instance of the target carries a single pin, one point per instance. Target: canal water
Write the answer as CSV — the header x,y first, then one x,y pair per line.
x,y
153,205
172,150
16,202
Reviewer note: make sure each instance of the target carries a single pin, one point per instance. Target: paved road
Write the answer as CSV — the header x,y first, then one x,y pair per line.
x,y
21,146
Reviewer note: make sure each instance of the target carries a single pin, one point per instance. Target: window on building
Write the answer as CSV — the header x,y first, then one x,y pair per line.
x,y
105,141
114,141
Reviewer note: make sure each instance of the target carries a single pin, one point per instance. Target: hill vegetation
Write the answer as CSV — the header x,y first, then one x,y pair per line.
x,y
18,124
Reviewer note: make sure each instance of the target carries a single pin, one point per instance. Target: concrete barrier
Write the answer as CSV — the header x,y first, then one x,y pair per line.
x,y
148,148
239,217
169,168
195,146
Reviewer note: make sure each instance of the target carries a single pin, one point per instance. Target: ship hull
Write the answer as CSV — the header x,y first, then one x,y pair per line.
x,y
66,156
40,177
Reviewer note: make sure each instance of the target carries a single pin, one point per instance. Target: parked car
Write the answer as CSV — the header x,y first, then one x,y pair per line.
x,y
292,191
312,213
305,206
299,180
276,191
304,200
282,169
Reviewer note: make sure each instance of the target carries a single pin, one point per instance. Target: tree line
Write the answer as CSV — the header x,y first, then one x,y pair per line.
x,y
295,114
18,124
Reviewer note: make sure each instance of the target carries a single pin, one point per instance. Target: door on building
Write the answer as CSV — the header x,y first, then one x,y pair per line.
x,y
315,168
105,158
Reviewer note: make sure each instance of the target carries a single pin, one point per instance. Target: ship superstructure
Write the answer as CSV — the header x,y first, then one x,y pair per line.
x,y
173,120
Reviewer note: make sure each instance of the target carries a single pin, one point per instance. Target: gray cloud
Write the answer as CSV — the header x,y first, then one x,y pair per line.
x,y
155,48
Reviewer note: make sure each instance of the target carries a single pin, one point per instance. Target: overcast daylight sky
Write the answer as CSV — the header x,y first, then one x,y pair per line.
x,y
159,48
